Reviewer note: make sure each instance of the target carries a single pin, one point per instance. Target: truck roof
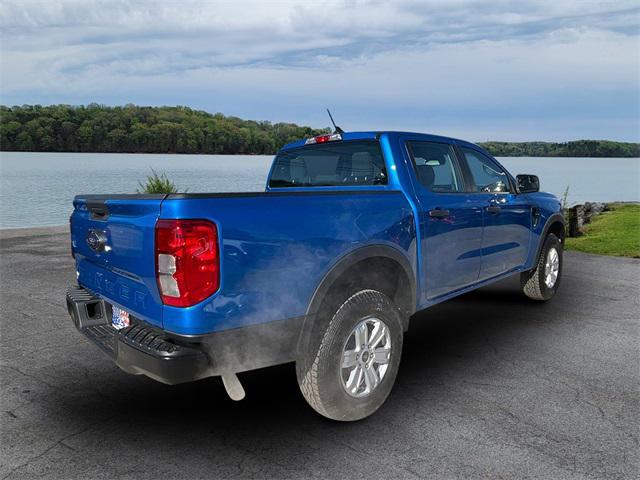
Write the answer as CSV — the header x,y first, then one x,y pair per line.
x,y
390,133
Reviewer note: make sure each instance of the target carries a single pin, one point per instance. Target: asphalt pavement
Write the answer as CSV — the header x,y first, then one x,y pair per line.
x,y
491,385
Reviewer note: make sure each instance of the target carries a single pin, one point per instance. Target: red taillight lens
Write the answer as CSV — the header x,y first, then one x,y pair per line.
x,y
187,261
323,139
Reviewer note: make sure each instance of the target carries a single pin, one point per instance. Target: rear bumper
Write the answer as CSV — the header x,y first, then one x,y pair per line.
x,y
137,349
170,358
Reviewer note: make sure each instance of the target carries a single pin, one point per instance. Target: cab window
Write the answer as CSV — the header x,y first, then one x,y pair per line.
x,y
355,162
435,166
487,175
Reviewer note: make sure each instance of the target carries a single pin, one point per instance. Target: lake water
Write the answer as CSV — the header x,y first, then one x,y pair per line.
x,y
36,189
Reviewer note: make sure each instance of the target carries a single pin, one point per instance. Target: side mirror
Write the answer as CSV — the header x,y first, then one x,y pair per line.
x,y
528,183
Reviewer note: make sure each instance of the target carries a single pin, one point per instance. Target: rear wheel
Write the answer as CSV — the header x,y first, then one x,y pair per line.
x,y
542,282
351,367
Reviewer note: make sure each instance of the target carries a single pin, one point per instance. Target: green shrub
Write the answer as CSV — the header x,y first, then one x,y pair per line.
x,y
157,184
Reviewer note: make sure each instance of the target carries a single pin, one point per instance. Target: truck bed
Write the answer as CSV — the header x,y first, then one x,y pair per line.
x,y
275,249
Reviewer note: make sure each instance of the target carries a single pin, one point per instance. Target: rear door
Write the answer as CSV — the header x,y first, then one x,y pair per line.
x,y
113,243
507,215
450,219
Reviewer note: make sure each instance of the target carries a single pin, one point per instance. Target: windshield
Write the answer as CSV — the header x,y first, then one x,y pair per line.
x,y
357,162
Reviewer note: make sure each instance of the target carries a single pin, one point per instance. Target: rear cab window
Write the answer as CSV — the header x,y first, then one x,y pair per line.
x,y
331,164
435,166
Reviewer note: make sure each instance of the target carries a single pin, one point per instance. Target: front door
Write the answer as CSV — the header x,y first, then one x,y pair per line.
x,y
450,220
507,216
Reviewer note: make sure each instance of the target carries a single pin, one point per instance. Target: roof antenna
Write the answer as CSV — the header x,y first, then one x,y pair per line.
x,y
337,128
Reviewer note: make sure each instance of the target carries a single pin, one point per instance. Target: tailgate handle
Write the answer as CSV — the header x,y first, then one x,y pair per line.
x,y
438,213
98,209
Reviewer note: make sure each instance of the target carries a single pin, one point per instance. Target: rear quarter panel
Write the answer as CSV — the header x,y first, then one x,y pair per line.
x,y
276,248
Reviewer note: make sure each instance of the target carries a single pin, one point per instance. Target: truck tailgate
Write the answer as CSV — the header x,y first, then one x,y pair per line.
x,y
113,243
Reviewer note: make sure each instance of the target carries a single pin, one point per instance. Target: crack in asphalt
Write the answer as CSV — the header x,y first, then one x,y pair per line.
x,y
55,444
28,375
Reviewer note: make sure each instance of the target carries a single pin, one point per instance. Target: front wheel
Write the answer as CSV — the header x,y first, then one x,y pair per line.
x,y
542,282
350,369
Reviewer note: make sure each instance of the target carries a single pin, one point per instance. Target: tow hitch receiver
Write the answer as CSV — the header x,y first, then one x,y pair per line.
x,y
137,348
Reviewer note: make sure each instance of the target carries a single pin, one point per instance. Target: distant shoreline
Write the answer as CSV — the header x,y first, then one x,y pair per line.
x,y
19,232
272,154
167,130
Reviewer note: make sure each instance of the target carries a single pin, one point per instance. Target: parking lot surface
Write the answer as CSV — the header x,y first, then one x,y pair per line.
x,y
491,385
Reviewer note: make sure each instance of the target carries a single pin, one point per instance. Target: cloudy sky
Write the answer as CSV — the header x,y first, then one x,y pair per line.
x,y
487,69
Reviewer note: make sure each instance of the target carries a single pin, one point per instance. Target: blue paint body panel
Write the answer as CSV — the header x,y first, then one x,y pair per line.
x,y
125,272
277,246
276,249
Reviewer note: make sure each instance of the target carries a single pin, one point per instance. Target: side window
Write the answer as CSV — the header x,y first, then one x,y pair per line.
x,y
435,166
487,176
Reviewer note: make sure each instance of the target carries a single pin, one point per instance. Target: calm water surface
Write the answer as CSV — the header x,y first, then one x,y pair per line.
x,y
36,189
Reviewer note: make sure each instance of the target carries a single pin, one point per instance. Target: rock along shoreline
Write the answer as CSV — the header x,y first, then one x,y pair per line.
x,y
580,215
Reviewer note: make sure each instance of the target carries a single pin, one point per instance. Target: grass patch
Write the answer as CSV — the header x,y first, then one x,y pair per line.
x,y
616,232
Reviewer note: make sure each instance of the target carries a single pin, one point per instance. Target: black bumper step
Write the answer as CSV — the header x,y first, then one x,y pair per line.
x,y
103,336
137,349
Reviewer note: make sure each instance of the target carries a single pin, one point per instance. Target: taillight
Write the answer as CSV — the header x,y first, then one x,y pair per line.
x,y
187,261
323,139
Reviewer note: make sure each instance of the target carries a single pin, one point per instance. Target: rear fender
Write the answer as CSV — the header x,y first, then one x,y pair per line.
x,y
343,265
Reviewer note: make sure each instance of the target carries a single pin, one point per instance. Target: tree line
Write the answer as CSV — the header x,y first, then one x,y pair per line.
x,y
577,148
136,129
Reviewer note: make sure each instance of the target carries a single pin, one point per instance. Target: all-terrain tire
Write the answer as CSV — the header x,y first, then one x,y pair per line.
x,y
533,282
319,371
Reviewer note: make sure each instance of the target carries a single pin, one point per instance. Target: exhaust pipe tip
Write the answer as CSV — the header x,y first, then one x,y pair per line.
x,y
233,386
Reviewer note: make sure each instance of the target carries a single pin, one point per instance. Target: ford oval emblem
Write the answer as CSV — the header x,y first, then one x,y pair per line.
x,y
96,239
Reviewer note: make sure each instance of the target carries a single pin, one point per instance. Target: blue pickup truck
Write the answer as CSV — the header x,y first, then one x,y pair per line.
x,y
354,234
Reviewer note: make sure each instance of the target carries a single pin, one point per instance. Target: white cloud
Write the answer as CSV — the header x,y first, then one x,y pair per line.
x,y
407,64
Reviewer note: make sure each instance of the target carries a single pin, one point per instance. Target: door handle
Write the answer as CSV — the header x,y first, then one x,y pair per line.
x,y
494,209
438,213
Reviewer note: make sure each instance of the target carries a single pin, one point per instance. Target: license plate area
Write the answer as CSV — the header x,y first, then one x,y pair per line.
x,y
119,318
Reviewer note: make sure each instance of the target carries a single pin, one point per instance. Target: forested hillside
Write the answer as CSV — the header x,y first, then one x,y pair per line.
x,y
98,128
134,129
578,148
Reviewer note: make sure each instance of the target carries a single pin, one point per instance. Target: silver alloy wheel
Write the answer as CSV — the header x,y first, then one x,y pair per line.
x,y
551,268
365,357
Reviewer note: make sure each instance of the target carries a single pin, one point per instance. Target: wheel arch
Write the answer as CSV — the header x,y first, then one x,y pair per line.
x,y
555,224
362,268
